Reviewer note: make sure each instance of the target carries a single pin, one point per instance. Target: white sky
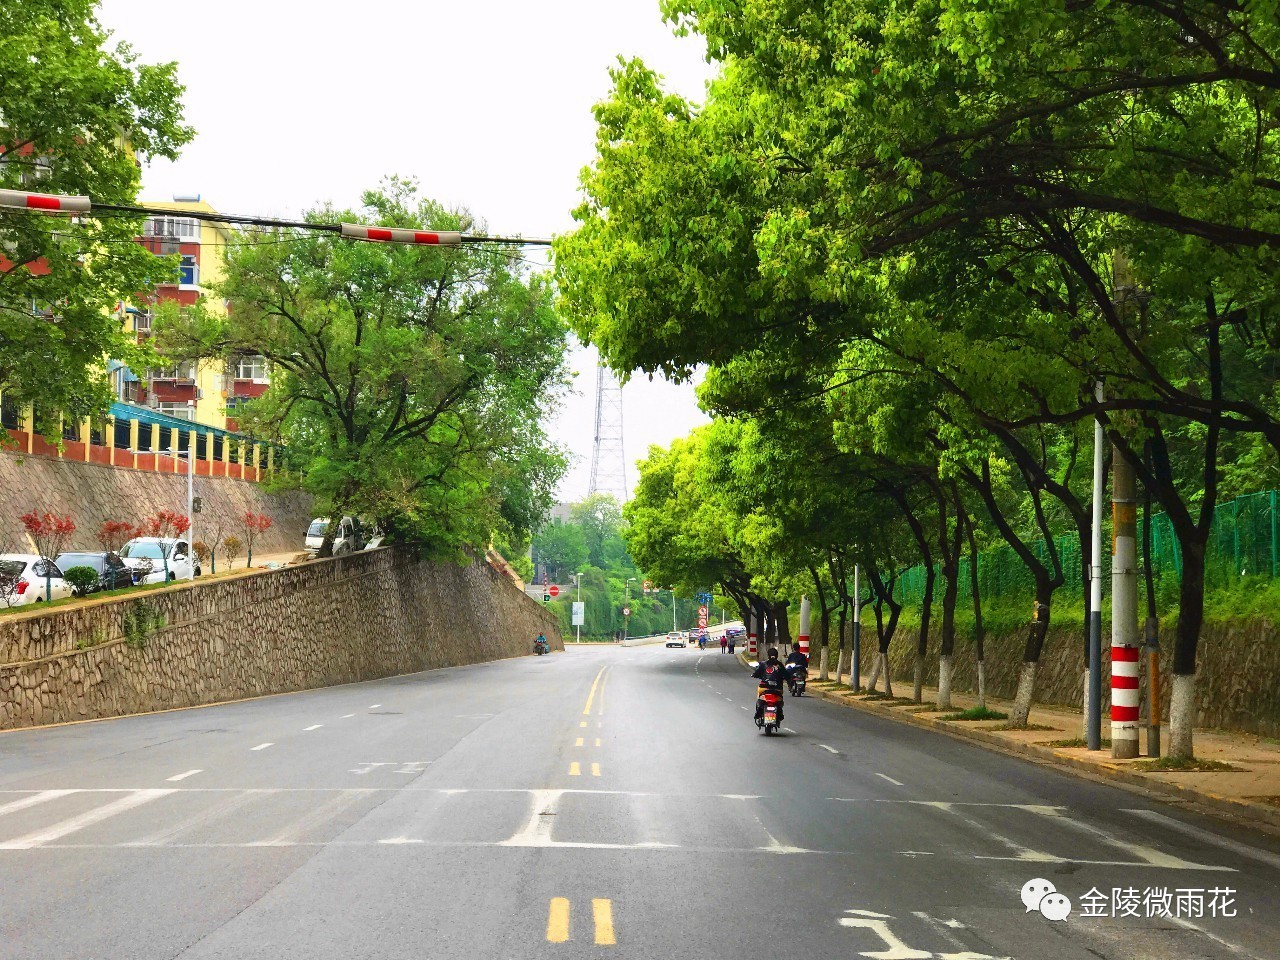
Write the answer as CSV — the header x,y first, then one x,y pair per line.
x,y
487,102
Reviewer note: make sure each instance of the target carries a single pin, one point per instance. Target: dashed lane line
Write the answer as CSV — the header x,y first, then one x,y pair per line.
x,y
829,749
314,726
182,776
262,746
885,776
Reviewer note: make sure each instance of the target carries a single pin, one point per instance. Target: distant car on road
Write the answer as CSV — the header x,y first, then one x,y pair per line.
x,y
675,640
23,580
733,632
113,573
146,557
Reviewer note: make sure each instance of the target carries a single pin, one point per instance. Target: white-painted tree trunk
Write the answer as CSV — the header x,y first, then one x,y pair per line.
x,y
841,665
888,678
917,689
982,685
824,662
1182,716
1022,700
875,675
944,683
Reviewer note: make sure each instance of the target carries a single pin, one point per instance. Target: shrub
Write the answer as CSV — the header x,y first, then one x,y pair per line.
x,y
82,579
140,621
231,547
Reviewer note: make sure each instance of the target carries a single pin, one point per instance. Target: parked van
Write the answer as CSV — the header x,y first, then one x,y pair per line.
x,y
349,538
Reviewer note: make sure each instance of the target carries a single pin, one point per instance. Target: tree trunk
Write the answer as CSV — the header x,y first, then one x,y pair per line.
x,y
1022,700
978,631
824,624
982,685
944,682
888,678
1182,716
875,674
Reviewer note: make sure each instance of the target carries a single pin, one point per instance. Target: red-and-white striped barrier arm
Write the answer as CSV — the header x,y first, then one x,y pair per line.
x,y
433,238
22,200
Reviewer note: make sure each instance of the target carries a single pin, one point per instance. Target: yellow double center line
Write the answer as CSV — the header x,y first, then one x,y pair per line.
x,y
586,711
558,921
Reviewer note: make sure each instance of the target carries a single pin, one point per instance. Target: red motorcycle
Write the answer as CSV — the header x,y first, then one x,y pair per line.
x,y
769,718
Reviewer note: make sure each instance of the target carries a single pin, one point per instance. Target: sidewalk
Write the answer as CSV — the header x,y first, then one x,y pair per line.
x,y
1250,789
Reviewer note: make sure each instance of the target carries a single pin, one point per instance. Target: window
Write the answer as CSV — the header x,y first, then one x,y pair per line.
x,y
182,371
188,271
178,409
142,322
251,368
183,228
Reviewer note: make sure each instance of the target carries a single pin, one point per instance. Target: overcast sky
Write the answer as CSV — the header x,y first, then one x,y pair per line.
x,y
486,102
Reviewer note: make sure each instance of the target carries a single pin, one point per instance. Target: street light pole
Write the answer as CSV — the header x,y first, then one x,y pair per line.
x,y
626,617
674,628
1093,712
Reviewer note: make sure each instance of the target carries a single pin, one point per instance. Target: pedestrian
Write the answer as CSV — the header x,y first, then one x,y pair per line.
x,y
732,641
724,643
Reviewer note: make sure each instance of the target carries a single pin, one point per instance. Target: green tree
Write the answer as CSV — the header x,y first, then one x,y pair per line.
x,y
76,116
562,547
409,381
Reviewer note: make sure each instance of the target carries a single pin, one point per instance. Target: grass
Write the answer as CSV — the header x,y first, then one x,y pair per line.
x,y
976,713
1184,765
1079,742
1025,726
68,601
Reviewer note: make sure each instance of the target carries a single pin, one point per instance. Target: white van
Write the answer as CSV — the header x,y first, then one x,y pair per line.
x,y
349,538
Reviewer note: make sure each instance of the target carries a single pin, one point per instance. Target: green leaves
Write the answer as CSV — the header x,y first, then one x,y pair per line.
x,y
76,117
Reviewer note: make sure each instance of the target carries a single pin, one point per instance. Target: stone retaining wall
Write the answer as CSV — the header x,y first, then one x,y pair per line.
x,y
92,493
373,614
1236,685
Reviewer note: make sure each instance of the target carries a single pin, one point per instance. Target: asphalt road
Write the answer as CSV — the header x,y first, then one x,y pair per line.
x,y
601,802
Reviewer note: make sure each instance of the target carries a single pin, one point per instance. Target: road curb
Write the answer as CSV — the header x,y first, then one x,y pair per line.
x,y
1256,813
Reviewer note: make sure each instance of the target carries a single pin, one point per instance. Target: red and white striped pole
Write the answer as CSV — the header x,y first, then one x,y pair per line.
x,y
1124,609
433,238
802,639
43,202
752,624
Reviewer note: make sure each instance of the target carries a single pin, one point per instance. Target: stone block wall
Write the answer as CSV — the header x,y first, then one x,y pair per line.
x,y
92,493
360,617
1236,687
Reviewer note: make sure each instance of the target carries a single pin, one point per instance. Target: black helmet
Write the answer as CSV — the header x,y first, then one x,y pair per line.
x,y
773,653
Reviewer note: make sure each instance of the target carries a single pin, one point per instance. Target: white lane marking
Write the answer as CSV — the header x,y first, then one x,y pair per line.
x,y
537,829
183,776
375,706
730,699
1188,925
263,746
1263,856
829,749
885,776
88,819
1152,856
742,708
314,726
295,831
943,928
347,716
219,810
787,730
30,801
1020,852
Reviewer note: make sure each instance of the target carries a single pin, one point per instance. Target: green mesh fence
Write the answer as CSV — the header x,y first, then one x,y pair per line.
x,y
1244,541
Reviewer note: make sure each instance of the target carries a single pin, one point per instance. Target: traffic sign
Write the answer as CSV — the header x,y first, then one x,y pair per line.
x,y
546,598
553,590
702,611
702,621
626,611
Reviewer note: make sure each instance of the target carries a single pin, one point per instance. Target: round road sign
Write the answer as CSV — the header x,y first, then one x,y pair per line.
x,y
702,611
553,590
626,611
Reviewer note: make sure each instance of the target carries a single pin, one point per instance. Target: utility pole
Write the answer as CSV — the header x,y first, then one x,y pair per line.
x,y
1124,609
855,681
1093,706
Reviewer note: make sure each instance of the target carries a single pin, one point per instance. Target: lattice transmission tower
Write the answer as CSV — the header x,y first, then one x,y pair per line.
x,y
608,461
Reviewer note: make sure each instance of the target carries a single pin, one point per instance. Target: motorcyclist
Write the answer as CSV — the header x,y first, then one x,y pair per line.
x,y
541,642
797,665
772,676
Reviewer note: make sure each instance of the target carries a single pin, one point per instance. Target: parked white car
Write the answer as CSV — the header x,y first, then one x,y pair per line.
x,y
22,580
149,554
348,539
